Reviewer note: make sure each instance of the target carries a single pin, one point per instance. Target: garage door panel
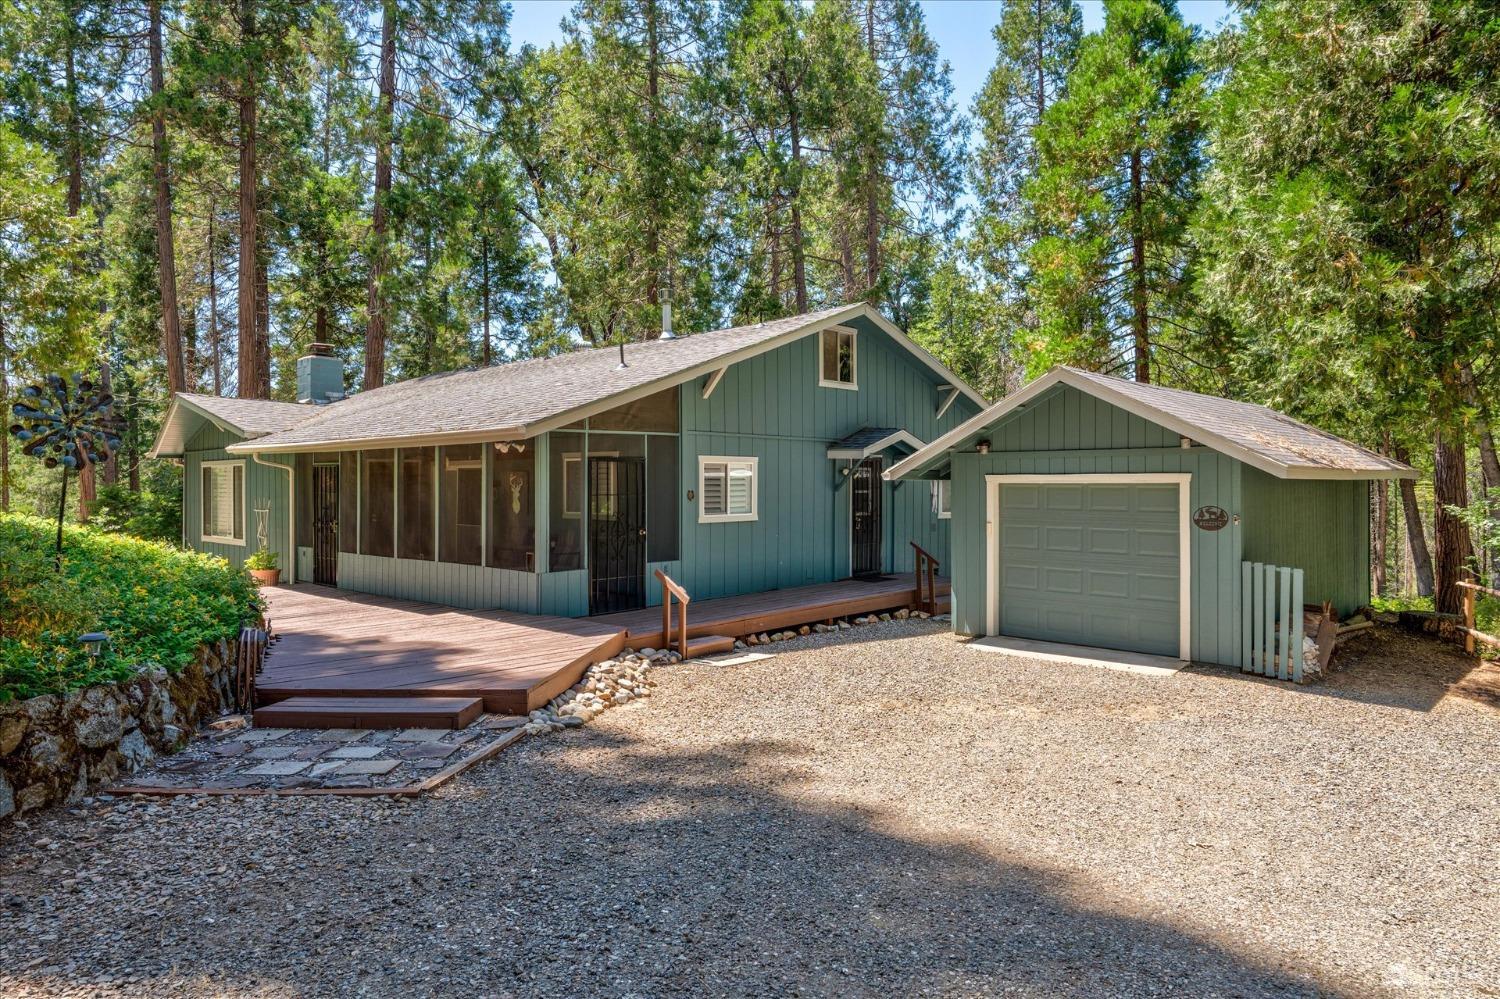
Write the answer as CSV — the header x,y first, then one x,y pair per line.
x,y
1091,565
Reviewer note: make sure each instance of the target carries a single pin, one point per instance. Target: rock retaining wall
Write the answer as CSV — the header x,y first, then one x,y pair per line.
x,y
55,747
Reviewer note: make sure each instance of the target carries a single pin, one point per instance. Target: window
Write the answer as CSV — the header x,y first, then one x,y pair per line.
x,y
726,489
941,499
663,487
513,506
837,370
414,540
565,502
572,485
377,503
224,502
461,484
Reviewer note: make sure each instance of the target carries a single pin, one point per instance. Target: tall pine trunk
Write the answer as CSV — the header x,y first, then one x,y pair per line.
x,y
1380,533
799,261
4,435
215,344
166,260
252,383
484,260
653,118
375,331
1451,546
1138,318
1416,539
872,189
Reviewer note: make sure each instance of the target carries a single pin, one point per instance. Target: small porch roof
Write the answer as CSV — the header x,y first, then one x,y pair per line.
x,y
873,440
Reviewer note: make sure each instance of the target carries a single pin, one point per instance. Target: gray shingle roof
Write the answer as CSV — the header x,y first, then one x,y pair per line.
x,y
249,418
1264,438
523,398
868,440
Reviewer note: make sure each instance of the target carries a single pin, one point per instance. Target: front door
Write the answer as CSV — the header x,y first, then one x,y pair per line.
x,y
326,524
865,525
617,534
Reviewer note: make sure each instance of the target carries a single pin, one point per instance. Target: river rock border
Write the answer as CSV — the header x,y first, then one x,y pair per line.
x,y
54,748
630,677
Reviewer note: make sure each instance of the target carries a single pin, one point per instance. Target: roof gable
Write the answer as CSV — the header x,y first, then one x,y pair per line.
x,y
246,418
1260,437
525,398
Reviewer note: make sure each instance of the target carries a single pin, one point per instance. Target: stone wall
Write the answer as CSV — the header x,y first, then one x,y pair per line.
x,y
55,747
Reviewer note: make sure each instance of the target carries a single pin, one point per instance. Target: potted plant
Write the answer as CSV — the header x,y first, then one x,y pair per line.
x,y
264,567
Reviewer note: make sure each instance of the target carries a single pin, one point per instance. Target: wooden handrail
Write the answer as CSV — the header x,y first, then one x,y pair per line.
x,y
1470,633
925,559
669,589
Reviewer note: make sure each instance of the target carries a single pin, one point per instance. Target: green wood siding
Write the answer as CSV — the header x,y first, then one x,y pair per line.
x,y
772,408
265,488
467,586
1322,527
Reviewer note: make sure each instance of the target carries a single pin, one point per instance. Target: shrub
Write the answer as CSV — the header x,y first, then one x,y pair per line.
x,y
262,558
157,604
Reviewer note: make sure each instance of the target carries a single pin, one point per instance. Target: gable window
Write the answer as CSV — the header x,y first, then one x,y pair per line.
x,y
837,365
727,488
941,498
224,502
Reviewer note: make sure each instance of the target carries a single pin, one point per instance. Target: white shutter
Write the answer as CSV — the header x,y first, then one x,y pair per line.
x,y
714,474
741,489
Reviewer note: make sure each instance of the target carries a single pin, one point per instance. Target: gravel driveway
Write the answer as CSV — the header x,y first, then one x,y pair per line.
x,y
882,813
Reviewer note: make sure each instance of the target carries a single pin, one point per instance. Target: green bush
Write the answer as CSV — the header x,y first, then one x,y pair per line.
x,y
156,603
262,558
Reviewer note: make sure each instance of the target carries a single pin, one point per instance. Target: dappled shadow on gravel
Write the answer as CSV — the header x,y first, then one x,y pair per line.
x,y
588,865
1394,669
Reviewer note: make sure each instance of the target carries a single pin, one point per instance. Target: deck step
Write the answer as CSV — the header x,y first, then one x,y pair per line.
x,y
709,645
370,712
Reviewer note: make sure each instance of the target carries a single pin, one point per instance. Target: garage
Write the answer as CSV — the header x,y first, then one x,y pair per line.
x,y
1090,563
1096,512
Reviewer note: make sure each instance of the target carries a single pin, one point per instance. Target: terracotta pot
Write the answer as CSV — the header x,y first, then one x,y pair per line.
x,y
266,577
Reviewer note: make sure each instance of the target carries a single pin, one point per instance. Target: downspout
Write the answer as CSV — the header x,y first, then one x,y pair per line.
x,y
291,513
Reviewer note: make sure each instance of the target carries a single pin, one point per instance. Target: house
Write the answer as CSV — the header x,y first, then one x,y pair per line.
x,y
1095,511
735,461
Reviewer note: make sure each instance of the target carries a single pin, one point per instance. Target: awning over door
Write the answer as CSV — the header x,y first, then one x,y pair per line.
x,y
868,441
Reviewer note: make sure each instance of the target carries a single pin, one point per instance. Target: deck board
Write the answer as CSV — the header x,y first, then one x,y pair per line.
x,y
770,610
337,643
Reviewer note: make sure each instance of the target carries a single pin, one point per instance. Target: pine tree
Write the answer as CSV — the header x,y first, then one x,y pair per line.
x,y
1119,160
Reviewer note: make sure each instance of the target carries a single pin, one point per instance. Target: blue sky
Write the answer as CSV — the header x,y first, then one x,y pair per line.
x,y
960,27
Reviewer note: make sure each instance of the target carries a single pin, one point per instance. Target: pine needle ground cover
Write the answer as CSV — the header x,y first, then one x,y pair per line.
x,y
156,603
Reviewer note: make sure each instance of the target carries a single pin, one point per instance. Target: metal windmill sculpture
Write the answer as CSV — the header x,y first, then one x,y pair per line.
x,y
66,424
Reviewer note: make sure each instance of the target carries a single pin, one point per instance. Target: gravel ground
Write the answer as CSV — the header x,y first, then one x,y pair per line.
x,y
883,813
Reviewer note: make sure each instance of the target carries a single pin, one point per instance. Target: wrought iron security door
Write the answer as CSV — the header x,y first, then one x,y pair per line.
x,y
617,534
865,525
326,524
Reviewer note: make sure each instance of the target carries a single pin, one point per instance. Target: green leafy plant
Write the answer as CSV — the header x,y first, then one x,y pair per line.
x,y
156,603
263,558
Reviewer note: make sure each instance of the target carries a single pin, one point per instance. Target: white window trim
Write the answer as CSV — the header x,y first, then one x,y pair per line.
x,y
825,382
937,498
730,518
1184,483
215,539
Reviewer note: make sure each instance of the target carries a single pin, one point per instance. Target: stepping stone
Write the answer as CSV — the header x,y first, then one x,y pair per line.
x,y
232,783
228,749
347,782
312,750
504,721
429,751
290,782
356,752
273,752
326,767
261,734
428,764
343,734
280,768
373,768
420,735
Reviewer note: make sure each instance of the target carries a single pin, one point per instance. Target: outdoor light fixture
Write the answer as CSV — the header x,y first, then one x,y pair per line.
x,y
94,643
983,447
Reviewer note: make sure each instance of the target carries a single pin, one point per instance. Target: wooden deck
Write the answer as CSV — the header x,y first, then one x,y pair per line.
x,y
771,610
337,643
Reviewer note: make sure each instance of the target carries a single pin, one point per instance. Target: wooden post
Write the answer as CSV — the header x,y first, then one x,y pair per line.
x,y
666,614
1257,610
1247,636
1297,596
1270,620
1285,670
1468,620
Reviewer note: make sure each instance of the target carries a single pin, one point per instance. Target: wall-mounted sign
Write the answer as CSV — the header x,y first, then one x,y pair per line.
x,y
1211,518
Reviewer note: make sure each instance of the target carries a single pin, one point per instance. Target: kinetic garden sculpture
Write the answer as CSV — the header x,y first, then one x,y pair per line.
x,y
66,424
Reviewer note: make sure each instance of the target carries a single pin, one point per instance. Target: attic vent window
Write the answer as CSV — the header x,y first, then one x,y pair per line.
x,y
837,359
